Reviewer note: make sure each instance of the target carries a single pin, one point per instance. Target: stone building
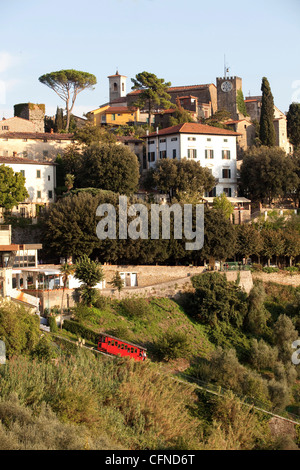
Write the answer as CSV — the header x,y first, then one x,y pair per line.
x,y
34,113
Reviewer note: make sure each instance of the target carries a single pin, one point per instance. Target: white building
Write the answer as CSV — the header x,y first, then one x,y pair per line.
x,y
212,147
40,183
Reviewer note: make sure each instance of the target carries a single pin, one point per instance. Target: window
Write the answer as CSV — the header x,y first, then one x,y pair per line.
x,y
45,153
163,154
209,153
44,140
22,173
226,154
226,173
174,153
192,138
50,194
5,128
211,193
151,156
208,139
49,177
192,153
173,139
24,140
123,87
39,194
151,141
113,117
162,140
115,86
38,173
227,191
225,140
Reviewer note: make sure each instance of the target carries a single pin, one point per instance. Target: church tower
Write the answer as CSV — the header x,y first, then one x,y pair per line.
x,y
117,86
227,90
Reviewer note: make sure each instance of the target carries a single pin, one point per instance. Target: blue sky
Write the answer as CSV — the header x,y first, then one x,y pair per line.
x,y
183,42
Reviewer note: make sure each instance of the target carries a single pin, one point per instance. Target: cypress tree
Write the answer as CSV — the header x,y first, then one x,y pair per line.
x,y
267,131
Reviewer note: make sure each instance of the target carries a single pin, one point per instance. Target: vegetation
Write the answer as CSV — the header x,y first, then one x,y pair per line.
x,y
267,131
293,124
153,92
12,187
67,84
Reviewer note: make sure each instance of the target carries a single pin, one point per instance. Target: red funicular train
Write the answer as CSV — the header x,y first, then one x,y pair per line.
x,y
111,345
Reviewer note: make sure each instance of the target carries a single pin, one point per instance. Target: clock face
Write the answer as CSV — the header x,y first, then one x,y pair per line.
x,y
226,86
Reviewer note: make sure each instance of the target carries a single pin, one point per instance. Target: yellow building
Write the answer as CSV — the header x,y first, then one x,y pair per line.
x,y
115,115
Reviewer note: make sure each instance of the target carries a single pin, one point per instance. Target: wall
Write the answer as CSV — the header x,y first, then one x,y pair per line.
x,y
34,148
16,124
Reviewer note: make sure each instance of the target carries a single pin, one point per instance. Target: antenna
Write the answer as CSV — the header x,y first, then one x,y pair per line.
x,y
226,69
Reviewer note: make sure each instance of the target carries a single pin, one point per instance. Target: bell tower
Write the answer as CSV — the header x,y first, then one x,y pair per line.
x,y
117,86
227,90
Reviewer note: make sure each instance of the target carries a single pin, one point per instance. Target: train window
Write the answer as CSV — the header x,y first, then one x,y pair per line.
x,y
119,345
135,350
131,350
122,346
116,343
109,343
112,343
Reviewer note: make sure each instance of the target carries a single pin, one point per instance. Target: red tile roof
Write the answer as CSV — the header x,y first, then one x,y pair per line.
x,y
119,109
193,128
178,88
36,135
21,160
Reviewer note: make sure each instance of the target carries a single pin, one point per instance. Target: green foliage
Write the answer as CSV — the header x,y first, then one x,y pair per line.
x,y
19,329
175,176
77,328
153,92
181,116
257,315
117,282
90,273
172,345
110,167
12,187
67,84
267,173
293,124
216,300
222,203
241,103
267,131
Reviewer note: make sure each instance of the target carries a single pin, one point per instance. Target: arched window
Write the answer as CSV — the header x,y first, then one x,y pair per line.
x,y
115,86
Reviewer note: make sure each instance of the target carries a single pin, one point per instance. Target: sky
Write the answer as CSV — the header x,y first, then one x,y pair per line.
x,y
185,42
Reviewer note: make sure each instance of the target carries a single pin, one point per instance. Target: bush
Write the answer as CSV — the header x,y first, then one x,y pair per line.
x,y
173,345
135,308
81,331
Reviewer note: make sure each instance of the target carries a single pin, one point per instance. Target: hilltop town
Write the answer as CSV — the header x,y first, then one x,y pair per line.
x,y
224,311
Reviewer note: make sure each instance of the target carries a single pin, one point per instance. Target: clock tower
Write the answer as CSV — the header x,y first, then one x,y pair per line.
x,y
227,89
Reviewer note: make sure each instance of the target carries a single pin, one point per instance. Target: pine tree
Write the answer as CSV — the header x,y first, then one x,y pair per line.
x,y
267,130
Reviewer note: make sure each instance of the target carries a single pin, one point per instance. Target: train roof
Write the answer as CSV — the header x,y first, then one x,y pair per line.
x,y
123,341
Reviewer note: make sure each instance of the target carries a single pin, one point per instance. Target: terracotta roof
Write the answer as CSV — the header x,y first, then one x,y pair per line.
x,y
177,88
37,135
187,96
249,101
193,128
119,109
166,111
25,161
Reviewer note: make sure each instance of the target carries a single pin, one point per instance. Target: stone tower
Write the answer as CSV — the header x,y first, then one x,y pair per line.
x,y
117,86
227,88
32,112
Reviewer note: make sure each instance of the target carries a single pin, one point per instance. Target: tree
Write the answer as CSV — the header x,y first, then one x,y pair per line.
x,y
153,92
267,173
59,120
176,176
273,244
293,124
90,134
223,204
249,241
258,315
117,282
67,84
66,270
90,273
216,300
181,116
267,131
109,166
219,237
69,181
12,187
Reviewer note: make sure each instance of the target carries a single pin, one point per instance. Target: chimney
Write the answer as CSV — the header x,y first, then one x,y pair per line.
x,y
51,130
14,154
